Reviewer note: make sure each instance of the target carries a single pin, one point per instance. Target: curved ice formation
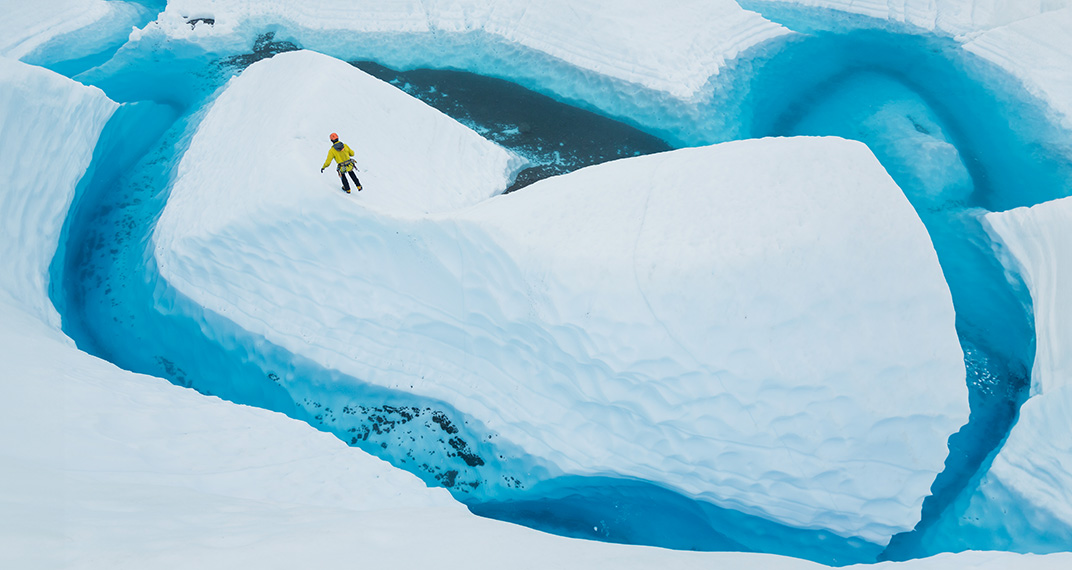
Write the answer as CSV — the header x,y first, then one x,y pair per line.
x,y
683,44
650,317
1024,500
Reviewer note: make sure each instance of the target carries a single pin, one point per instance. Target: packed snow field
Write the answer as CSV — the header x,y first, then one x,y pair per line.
x,y
767,345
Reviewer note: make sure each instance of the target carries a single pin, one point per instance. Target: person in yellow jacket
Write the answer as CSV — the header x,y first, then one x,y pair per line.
x,y
341,153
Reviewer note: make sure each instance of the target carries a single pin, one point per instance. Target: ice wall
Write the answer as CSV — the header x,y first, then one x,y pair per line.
x,y
49,128
83,25
1027,492
728,321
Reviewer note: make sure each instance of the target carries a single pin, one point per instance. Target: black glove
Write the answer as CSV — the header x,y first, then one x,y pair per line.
x,y
321,171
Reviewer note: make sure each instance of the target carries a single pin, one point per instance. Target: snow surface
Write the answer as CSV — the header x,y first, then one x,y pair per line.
x,y
682,43
686,299
82,24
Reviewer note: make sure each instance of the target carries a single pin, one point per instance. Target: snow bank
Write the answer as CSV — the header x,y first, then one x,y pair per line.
x,y
727,321
49,131
83,24
680,45
952,17
1029,486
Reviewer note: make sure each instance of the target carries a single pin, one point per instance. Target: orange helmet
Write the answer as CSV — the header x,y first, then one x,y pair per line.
x,y
334,137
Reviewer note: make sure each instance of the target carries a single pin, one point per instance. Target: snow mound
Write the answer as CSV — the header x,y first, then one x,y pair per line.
x,y
761,324
681,44
299,99
1028,489
43,117
82,25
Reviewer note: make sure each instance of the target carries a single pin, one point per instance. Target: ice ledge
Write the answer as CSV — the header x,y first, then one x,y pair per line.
x,y
679,46
27,26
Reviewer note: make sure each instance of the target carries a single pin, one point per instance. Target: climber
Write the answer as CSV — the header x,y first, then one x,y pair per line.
x,y
341,152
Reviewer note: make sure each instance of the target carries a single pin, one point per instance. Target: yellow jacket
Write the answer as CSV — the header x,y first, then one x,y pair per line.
x,y
340,156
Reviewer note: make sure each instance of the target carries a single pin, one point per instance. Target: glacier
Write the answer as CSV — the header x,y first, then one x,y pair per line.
x,y
1015,39
492,310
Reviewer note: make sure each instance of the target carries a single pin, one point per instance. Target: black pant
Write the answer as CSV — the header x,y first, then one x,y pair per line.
x,y
345,183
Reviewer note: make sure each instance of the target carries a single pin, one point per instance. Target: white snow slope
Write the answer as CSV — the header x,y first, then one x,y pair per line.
x,y
730,321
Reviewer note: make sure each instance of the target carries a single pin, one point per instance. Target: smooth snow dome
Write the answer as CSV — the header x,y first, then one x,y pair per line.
x,y
689,318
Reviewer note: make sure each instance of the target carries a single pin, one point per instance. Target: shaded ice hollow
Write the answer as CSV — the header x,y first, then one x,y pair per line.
x,y
683,318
